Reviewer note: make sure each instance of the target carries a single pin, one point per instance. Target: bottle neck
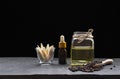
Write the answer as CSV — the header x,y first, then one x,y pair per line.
x,y
62,44
82,35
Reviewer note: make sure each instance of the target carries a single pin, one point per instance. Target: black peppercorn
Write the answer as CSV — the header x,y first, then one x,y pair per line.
x,y
111,68
114,66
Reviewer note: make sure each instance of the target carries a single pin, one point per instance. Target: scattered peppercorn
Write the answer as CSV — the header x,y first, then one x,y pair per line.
x,y
114,66
90,67
111,68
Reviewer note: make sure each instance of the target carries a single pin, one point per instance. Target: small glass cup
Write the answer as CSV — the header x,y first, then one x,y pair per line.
x,y
45,59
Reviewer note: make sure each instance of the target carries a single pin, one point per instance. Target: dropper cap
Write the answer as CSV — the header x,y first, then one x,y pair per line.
x,y
62,43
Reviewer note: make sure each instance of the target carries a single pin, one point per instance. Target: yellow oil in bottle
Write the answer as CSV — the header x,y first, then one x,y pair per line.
x,y
81,55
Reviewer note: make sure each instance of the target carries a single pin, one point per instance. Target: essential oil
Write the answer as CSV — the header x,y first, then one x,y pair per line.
x,y
82,48
81,55
62,52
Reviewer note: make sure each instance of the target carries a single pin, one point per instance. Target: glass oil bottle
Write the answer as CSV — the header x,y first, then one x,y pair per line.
x,y
62,52
82,48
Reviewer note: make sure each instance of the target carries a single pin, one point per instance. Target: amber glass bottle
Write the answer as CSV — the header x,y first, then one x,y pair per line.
x,y
62,52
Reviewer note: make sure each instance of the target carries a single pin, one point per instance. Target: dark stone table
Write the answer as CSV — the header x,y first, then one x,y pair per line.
x,y
29,68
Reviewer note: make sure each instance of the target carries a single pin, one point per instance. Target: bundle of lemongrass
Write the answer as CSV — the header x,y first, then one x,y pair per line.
x,y
45,53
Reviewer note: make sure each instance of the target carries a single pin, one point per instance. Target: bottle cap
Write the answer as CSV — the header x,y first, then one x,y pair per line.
x,y
62,43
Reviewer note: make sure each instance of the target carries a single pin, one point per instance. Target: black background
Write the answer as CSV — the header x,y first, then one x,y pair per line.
x,y
30,23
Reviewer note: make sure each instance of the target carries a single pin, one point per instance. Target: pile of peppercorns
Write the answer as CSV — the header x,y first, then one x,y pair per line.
x,y
89,67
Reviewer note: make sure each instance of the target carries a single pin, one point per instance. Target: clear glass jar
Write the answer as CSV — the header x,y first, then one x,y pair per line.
x,y
82,47
45,55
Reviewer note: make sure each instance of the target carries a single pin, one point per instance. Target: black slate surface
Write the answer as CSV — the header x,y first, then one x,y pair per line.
x,y
29,67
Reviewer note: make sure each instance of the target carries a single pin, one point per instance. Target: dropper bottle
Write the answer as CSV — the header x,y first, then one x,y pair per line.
x,y
62,52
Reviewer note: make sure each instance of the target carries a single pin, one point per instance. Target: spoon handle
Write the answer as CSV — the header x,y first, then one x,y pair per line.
x,y
107,61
